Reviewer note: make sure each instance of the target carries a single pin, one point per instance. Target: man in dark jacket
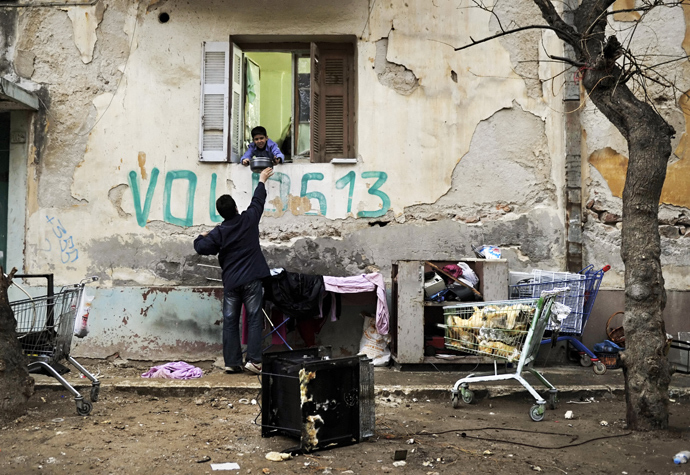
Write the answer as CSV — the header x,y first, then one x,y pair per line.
x,y
236,241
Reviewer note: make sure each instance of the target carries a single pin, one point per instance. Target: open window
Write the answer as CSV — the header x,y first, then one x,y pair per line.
x,y
301,92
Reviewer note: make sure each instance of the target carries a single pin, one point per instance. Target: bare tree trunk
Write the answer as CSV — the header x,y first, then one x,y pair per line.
x,y
16,385
645,366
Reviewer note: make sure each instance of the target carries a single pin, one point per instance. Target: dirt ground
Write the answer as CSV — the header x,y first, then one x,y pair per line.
x,y
138,433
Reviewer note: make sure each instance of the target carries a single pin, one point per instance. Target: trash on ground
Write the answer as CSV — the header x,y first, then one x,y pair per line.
x,y
400,455
603,423
399,463
569,415
487,452
225,466
681,457
174,370
277,456
587,400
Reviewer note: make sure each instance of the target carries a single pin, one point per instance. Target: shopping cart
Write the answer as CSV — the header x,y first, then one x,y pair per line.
x,y
509,331
44,328
584,287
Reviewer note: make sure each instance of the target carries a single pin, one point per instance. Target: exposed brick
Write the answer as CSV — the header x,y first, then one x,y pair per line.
x,y
609,218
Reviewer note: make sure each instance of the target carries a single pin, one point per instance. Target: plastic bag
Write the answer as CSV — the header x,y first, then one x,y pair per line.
x,y
468,275
81,321
374,345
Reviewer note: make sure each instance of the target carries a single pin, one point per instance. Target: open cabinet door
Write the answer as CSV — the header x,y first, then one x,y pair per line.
x,y
213,136
237,101
317,137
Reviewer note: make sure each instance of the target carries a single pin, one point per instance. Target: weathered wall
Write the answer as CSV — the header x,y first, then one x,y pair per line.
x,y
605,154
454,148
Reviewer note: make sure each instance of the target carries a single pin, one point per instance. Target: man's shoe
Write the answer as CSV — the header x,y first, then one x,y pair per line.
x,y
253,367
233,369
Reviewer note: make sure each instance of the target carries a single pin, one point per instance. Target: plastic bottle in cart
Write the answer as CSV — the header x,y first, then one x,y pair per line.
x,y
681,457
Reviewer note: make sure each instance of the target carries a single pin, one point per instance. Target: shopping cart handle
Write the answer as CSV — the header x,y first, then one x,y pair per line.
x,y
606,268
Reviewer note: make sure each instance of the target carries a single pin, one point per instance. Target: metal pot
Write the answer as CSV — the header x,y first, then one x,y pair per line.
x,y
257,164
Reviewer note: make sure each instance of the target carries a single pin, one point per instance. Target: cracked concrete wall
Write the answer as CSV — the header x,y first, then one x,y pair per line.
x,y
453,149
605,160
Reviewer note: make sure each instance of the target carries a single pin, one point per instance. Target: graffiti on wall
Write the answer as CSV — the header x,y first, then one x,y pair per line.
x,y
68,251
347,183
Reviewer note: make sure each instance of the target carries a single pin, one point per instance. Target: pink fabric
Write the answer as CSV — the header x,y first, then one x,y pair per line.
x,y
363,283
175,370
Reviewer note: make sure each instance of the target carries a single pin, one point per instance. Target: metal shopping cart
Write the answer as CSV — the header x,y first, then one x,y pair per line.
x,y
44,328
509,331
584,287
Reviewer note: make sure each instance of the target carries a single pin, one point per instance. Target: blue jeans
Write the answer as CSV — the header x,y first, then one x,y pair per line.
x,y
251,295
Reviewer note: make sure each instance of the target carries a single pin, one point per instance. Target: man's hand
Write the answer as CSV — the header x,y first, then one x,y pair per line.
x,y
204,234
265,175
245,162
276,160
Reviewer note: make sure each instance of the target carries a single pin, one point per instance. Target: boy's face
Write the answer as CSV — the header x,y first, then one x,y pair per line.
x,y
260,141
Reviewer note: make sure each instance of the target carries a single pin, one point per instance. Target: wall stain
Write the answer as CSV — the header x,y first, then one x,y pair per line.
x,y
142,165
625,16
163,290
614,166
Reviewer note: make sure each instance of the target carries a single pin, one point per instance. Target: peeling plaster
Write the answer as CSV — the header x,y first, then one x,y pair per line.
x,y
115,195
395,76
614,166
522,46
511,148
85,21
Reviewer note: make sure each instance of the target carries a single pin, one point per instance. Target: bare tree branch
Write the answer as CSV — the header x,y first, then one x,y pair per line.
x,y
505,33
564,31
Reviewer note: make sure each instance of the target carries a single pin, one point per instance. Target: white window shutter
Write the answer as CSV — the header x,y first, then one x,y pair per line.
x,y
237,101
214,130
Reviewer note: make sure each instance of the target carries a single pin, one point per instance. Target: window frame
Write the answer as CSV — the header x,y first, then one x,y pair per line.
x,y
341,47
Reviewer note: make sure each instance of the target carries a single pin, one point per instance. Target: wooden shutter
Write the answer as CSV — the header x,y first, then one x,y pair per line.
x,y
332,101
237,100
213,135
315,88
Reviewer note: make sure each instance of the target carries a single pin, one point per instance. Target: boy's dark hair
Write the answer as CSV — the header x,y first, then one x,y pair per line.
x,y
258,130
226,206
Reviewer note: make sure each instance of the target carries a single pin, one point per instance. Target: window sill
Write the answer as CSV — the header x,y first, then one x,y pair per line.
x,y
343,161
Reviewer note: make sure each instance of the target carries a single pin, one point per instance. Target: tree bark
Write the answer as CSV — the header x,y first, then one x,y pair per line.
x,y
645,365
16,385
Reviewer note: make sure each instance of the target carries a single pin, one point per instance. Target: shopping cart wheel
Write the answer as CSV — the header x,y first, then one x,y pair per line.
x,y
455,399
537,412
599,368
467,395
84,408
585,360
94,393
